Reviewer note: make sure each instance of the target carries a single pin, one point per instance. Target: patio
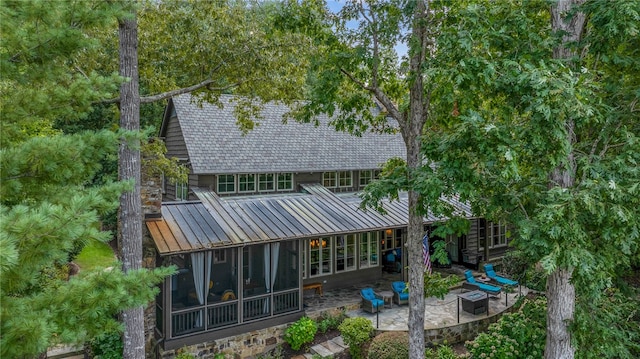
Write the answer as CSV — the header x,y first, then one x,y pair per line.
x,y
438,313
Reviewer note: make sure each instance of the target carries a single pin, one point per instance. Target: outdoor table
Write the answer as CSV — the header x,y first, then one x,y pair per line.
x,y
387,297
474,302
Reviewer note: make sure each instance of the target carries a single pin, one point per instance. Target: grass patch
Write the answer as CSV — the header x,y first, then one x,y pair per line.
x,y
95,255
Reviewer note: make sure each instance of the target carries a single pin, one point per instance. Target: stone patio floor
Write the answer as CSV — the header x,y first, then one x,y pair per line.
x,y
438,312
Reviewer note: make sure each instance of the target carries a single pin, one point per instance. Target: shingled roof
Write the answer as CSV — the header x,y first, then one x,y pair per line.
x,y
215,144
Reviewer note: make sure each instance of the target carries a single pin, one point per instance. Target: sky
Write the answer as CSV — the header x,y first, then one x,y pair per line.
x,y
336,5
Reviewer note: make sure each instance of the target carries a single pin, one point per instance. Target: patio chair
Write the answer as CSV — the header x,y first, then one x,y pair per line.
x,y
488,268
370,301
487,288
400,295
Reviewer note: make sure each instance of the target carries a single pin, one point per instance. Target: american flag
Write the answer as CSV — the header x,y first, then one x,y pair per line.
x,y
425,252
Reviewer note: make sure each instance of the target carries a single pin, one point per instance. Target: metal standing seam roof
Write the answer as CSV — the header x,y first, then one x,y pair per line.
x,y
216,222
272,146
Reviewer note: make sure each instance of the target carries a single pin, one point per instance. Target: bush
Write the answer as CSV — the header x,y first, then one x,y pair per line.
x,y
518,265
389,345
519,334
328,322
300,333
107,346
355,333
185,355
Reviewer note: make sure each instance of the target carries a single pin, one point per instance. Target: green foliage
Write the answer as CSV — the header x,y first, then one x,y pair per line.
x,y
184,354
435,285
520,334
41,42
608,327
356,332
441,352
518,265
107,346
389,345
48,209
301,332
328,322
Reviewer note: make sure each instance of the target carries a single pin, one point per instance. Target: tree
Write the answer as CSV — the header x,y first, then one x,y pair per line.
x,y
546,136
48,206
358,70
238,77
68,50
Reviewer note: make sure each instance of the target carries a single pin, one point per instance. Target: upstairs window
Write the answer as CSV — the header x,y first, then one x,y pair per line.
x,y
266,182
285,181
329,179
367,176
182,191
344,179
247,183
226,184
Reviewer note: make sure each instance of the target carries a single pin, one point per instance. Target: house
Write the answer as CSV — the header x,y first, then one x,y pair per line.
x,y
266,214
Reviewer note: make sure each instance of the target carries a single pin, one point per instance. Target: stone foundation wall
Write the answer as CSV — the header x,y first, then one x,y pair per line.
x,y
245,345
462,332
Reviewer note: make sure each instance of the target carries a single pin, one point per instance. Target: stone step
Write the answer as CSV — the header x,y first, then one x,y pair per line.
x,y
322,351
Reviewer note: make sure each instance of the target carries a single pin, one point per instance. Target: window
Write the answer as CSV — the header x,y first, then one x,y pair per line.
x,y
285,181
344,179
493,233
319,256
247,183
367,176
345,258
482,233
368,249
265,182
182,191
226,183
219,256
498,234
391,239
329,179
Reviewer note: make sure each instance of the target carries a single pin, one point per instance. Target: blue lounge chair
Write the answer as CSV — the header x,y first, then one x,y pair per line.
x,y
488,268
489,289
370,301
400,295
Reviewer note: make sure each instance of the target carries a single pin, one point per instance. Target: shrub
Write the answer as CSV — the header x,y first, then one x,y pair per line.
x,y
519,334
389,345
300,333
355,333
329,322
186,355
442,352
107,346
519,266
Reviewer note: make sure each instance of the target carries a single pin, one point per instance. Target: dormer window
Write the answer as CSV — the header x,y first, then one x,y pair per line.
x,y
266,182
226,184
247,183
329,179
344,179
285,181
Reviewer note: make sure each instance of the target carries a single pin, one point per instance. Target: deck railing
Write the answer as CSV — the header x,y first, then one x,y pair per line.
x,y
185,322
286,301
224,314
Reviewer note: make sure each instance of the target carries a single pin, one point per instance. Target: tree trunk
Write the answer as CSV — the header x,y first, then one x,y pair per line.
x,y
130,214
411,132
560,308
561,296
